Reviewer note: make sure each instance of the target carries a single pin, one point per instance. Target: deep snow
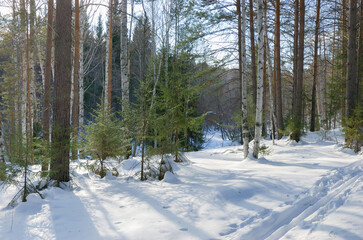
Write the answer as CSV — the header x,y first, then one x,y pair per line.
x,y
307,190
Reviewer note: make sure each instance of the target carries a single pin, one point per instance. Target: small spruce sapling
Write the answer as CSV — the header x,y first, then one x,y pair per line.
x,y
105,138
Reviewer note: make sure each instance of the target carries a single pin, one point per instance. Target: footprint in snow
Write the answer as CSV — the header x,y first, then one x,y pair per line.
x,y
184,229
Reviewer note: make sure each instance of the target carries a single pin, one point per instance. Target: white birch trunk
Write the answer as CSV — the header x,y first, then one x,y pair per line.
x,y
245,130
258,126
124,54
269,73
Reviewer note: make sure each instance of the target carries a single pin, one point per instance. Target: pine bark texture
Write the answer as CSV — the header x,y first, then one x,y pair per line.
x,y
81,64
75,107
62,90
352,71
258,125
108,73
297,111
279,117
253,54
316,43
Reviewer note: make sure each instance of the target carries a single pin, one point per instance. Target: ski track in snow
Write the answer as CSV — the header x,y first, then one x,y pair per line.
x,y
289,194
328,194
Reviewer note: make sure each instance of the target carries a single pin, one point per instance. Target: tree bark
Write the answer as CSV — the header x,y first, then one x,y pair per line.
x,y
75,107
297,114
242,72
108,74
253,55
47,77
258,125
352,71
124,54
83,11
296,52
313,96
279,117
62,88
344,66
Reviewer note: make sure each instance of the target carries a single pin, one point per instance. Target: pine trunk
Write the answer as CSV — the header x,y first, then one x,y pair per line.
x,y
258,125
296,51
313,97
279,117
352,71
298,107
108,73
47,78
75,107
253,54
62,89
81,65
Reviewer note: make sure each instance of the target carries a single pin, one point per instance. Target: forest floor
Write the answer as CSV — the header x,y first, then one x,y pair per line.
x,y
307,190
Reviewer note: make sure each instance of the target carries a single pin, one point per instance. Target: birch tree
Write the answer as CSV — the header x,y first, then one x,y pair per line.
x,y
125,82
258,125
242,71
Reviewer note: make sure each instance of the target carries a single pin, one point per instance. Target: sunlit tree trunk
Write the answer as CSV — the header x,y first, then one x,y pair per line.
x,y
108,73
124,54
75,107
83,11
258,125
242,71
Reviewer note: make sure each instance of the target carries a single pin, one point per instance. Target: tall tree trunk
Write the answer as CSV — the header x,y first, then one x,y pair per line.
x,y
344,66
29,95
297,114
296,52
83,11
313,97
258,125
124,54
75,107
253,54
62,89
242,71
23,86
352,71
108,73
270,75
47,78
278,93
360,56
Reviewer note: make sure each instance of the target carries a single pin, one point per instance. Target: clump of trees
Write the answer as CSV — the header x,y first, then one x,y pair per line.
x,y
150,79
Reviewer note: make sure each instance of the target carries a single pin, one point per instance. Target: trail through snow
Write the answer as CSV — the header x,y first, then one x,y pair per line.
x,y
307,190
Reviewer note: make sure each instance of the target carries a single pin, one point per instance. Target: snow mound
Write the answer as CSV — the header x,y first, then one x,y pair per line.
x,y
169,177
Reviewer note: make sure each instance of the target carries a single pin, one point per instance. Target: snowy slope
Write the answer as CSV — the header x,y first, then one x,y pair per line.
x,y
309,190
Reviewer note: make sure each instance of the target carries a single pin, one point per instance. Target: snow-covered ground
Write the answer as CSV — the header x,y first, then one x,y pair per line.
x,y
309,190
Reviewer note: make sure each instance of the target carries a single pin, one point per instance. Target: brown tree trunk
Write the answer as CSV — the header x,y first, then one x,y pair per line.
x,y
279,117
344,53
62,89
296,53
298,107
253,55
352,71
47,77
360,56
75,107
313,97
